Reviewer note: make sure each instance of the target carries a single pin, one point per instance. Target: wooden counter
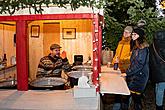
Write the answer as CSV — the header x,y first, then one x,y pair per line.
x,y
111,82
7,67
8,72
46,100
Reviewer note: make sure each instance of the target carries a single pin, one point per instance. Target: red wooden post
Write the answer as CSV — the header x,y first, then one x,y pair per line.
x,y
95,52
21,55
99,49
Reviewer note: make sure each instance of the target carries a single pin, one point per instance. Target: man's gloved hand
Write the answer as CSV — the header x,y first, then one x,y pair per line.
x,y
63,55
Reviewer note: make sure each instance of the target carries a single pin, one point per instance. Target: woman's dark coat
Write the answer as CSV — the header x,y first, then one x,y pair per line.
x,y
138,72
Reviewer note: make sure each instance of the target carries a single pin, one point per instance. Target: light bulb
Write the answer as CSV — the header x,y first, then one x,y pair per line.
x,y
96,59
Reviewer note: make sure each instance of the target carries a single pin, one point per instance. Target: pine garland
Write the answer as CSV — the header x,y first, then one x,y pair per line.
x,y
11,6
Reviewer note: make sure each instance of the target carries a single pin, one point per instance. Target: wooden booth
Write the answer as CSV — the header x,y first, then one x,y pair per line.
x,y
31,36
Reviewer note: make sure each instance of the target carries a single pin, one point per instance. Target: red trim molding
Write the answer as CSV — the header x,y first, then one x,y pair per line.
x,y
47,17
95,51
99,48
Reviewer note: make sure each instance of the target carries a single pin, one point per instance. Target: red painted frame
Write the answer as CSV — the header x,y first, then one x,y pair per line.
x,y
47,17
22,42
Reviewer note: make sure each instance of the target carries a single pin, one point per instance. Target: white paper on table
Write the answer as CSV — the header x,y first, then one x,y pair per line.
x,y
113,83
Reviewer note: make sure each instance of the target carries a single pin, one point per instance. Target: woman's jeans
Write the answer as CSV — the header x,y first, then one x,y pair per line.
x,y
159,90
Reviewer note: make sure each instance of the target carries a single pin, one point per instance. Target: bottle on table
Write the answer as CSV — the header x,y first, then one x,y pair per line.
x,y
116,63
5,60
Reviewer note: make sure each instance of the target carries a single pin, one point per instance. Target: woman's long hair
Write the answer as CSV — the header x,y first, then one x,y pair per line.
x,y
140,40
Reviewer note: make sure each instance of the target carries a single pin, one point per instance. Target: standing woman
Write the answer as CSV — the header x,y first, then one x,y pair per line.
x,y
138,73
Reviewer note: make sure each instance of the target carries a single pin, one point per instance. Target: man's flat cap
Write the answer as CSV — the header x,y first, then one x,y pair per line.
x,y
54,46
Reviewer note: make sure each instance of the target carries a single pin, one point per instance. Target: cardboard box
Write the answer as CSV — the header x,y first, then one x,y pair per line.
x,y
84,92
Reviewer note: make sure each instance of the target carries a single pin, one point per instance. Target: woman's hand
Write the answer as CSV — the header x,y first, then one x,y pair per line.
x,y
123,75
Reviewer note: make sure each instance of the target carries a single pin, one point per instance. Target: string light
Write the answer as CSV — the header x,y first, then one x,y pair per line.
x,y
95,68
97,85
96,59
96,31
95,49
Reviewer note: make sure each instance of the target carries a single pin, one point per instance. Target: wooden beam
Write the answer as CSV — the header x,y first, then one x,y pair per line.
x,y
21,55
99,48
47,17
95,52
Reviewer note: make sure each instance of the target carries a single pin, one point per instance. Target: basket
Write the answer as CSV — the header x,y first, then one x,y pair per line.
x,y
107,56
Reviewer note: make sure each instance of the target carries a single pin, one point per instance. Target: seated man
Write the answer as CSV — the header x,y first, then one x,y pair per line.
x,y
53,64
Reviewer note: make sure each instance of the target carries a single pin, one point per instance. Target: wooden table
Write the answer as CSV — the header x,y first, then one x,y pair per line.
x,y
46,100
111,82
7,67
8,72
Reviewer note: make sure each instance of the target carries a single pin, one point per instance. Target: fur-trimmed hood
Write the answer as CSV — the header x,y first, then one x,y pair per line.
x,y
144,44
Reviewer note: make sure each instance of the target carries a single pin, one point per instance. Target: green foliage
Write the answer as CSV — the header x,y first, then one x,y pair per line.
x,y
138,11
11,6
115,14
119,14
113,31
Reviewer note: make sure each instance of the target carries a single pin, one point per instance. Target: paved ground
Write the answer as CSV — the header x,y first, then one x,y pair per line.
x,y
148,99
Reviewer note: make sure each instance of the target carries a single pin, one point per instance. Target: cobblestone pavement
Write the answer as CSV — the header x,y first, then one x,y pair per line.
x,y
148,99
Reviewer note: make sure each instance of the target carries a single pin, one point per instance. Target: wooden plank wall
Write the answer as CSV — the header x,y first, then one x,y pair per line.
x,y
35,49
83,42
7,46
81,45
7,31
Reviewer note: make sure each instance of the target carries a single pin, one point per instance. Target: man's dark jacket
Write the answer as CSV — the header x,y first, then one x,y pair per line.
x,y
157,58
